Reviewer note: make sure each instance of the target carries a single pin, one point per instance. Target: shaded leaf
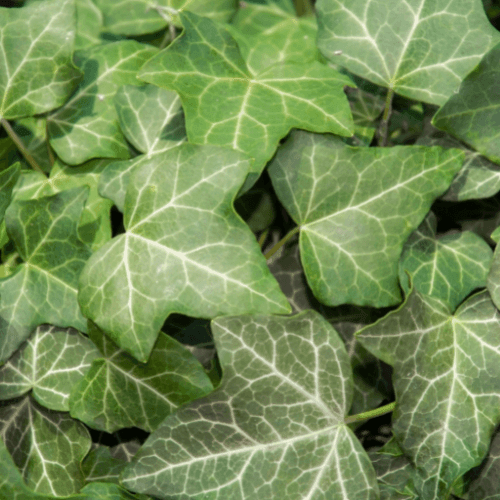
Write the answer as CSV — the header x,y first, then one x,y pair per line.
x,y
273,429
472,114
87,126
30,82
8,179
99,465
119,392
422,49
448,267
355,208
225,104
446,372
44,288
50,363
197,257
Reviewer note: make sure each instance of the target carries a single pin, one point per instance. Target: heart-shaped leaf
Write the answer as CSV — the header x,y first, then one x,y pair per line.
x,y
273,429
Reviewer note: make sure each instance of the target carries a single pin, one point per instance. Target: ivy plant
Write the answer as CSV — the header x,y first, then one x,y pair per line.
x,y
236,239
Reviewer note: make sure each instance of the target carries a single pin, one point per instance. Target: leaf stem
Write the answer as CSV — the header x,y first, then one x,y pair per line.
x,y
262,237
384,124
371,414
281,242
15,139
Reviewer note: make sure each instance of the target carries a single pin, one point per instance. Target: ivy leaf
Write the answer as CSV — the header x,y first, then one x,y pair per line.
x,y
353,220
87,126
225,104
8,179
443,419
152,120
30,82
138,17
472,114
46,446
107,397
197,257
448,267
89,24
421,49
50,363
44,287
100,465
273,429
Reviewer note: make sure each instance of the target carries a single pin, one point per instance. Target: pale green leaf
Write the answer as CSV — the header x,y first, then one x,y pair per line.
x,y
44,288
197,257
473,113
31,82
137,17
446,372
273,429
225,104
493,279
421,49
46,446
355,208
50,363
88,24
94,227
87,125
8,179
448,267
119,392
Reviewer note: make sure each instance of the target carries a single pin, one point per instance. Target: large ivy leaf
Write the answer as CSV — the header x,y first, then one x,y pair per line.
x,y
50,363
44,288
196,255
94,227
87,126
355,208
46,446
107,397
448,267
137,17
226,105
152,120
30,82
273,429
473,114
421,49
444,418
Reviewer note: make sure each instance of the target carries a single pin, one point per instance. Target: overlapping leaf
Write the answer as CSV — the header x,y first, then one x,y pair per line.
x,y
87,126
274,428
226,105
50,363
137,17
448,267
185,250
152,120
120,392
89,24
355,208
473,113
44,288
46,446
8,179
421,49
446,379
30,81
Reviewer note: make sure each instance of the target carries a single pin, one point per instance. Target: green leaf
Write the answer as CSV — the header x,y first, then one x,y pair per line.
x,y
356,207
87,126
8,179
273,429
421,49
100,465
50,363
88,24
446,372
31,82
225,104
46,446
94,227
448,267
119,392
196,255
472,114
137,17
44,288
